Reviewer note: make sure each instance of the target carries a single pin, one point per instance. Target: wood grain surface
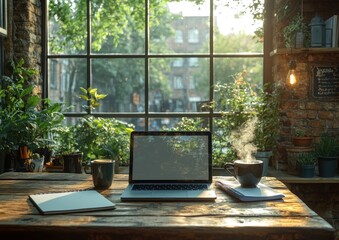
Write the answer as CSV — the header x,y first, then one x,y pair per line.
x,y
225,218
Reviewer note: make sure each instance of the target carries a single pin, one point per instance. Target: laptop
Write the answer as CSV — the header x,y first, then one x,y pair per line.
x,y
170,166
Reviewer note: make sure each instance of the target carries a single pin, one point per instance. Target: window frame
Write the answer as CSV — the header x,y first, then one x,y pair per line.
x,y
147,56
3,20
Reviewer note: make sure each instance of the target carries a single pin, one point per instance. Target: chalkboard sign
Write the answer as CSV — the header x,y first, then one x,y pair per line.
x,y
325,82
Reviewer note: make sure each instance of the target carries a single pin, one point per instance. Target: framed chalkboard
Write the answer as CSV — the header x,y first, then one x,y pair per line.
x,y
325,82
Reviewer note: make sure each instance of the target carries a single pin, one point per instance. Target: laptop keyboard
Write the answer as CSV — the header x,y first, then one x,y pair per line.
x,y
169,187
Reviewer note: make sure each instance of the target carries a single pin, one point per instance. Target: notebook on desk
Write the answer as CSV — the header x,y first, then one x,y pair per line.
x,y
170,166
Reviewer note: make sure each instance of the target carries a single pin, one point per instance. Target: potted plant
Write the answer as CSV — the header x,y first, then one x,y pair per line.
x,y
19,104
306,164
99,137
267,127
48,120
327,152
67,153
300,139
296,34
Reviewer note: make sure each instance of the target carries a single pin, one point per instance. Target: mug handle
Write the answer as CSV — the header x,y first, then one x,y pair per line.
x,y
88,168
228,167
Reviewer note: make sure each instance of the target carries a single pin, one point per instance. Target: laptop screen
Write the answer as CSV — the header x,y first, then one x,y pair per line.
x,y
171,157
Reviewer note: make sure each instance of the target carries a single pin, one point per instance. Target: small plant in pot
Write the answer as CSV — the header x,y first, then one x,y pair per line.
x,y
327,152
306,164
300,139
296,34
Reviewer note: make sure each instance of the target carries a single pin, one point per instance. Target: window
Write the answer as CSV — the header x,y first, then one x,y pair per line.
x,y
143,53
179,38
3,17
178,62
177,82
193,36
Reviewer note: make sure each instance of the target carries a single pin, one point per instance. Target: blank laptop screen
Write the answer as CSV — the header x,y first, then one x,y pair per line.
x,y
158,156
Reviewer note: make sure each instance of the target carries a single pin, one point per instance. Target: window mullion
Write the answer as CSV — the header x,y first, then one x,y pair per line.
x,y
88,55
147,5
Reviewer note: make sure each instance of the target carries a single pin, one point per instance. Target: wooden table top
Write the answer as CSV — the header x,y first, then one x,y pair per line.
x,y
225,218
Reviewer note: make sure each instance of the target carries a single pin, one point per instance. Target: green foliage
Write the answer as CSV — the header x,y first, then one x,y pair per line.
x,y
65,140
328,146
267,112
103,138
298,132
306,158
189,124
26,119
92,97
297,24
239,102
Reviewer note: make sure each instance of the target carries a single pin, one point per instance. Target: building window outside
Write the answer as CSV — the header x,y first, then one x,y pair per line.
x,y
178,82
179,38
193,36
146,55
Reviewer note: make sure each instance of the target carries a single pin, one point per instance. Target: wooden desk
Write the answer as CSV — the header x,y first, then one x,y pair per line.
x,y
226,218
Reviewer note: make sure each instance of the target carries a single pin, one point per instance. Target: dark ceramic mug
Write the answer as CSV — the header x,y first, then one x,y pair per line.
x,y
102,171
248,173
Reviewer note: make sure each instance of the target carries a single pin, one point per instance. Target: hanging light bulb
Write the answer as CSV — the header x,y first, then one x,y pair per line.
x,y
291,76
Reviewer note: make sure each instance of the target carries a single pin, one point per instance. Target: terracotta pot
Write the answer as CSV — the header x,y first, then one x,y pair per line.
x,y
302,141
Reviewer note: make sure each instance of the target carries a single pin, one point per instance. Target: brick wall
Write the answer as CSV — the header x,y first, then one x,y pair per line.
x,y
298,107
24,38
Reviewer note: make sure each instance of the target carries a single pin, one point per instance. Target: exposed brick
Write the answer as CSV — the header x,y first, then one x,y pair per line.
x,y
313,106
316,124
325,115
312,114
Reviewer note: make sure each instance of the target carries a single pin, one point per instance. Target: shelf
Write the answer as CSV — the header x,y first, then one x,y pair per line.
x,y
285,177
281,51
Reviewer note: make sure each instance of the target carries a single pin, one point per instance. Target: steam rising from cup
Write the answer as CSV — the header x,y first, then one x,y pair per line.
x,y
242,140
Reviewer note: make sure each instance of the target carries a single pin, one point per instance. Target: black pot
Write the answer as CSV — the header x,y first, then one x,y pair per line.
x,y
327,166
72,162
46,152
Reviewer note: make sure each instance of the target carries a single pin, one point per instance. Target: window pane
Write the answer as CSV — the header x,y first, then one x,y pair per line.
x,y
67,27
178,89
118,28
234,28
123,80
227,70
178,124
65,77
221,145
179,27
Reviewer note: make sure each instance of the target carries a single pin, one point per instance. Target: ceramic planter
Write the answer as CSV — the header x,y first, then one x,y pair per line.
x,y
302,141
72,162
265,157
327,166
306,171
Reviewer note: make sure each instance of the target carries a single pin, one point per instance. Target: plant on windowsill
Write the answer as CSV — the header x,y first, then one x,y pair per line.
x,y
99,137
306,164
327,153
19,106
27,121
267,127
